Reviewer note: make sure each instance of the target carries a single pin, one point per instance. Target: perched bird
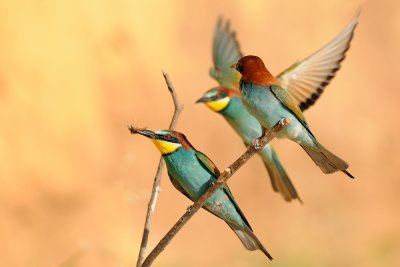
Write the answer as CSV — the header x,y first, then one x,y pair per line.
x,y
268,102
305,81
192,172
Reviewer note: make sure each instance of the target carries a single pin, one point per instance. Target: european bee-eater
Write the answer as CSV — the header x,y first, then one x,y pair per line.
x,y
227,102
192,172
268,102
305,80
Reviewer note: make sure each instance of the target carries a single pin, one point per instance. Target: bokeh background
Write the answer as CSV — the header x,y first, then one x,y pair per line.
x,y
75,184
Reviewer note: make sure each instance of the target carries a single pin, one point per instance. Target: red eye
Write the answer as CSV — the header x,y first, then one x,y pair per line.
x,y
167,136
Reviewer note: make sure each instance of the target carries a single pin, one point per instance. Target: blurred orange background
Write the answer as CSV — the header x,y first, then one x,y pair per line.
x,y
75,184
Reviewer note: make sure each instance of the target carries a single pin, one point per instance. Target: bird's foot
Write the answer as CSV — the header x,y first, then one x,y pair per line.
x,y
256,144
189,209
285,121
211,184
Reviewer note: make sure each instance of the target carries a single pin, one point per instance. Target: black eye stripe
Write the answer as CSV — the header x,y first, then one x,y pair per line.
x,y
218,96
168,138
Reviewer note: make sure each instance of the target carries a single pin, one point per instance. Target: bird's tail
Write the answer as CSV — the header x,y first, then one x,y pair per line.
x,y
326,160
249,239
280,180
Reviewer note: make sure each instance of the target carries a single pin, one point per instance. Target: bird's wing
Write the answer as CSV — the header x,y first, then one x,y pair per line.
x,y
306,80
210,166
229,194
225,52
207,163
287,101
178,186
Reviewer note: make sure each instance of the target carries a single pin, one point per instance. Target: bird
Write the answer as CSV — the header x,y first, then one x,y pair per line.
x,y
266,100
304,80
227,102
191,172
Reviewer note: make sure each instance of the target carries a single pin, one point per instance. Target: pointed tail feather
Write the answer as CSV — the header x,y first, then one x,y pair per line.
x,y
326,160
348,174
280,180
249,240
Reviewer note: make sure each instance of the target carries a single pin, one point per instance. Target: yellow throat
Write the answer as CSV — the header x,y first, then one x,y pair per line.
x,y
219,104
166,147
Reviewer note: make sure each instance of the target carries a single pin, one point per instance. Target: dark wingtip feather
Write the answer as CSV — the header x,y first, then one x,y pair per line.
x,y
311,101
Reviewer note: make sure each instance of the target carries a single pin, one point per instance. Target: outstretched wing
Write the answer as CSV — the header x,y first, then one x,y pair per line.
x,y
226,52
306,80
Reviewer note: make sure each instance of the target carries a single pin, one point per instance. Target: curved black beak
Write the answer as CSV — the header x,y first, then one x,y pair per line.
x,y
204,99
147,133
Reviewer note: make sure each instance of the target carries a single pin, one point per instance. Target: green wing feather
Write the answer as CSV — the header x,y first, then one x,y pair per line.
x,y
207,163
229,194
226,51
212,168
286,99
306,80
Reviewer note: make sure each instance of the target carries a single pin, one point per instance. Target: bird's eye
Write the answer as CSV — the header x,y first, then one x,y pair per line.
x,y
218,96
167,136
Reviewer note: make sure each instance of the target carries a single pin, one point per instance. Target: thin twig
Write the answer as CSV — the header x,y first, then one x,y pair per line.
x,y
251,150
157,179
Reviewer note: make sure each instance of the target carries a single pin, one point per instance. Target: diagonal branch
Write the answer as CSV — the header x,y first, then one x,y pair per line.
x,y
157,179
251,150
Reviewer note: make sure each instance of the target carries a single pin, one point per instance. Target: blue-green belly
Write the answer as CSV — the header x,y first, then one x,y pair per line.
x,y
268,110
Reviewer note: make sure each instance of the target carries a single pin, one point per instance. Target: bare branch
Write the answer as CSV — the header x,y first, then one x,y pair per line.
x,y
177,104
251,150
157,179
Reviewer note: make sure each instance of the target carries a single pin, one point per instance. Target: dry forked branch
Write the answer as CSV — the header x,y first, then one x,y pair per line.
x,y
251,150
157,179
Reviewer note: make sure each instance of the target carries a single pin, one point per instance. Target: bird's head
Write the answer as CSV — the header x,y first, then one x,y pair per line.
x,y
218,98
253,70
167,142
